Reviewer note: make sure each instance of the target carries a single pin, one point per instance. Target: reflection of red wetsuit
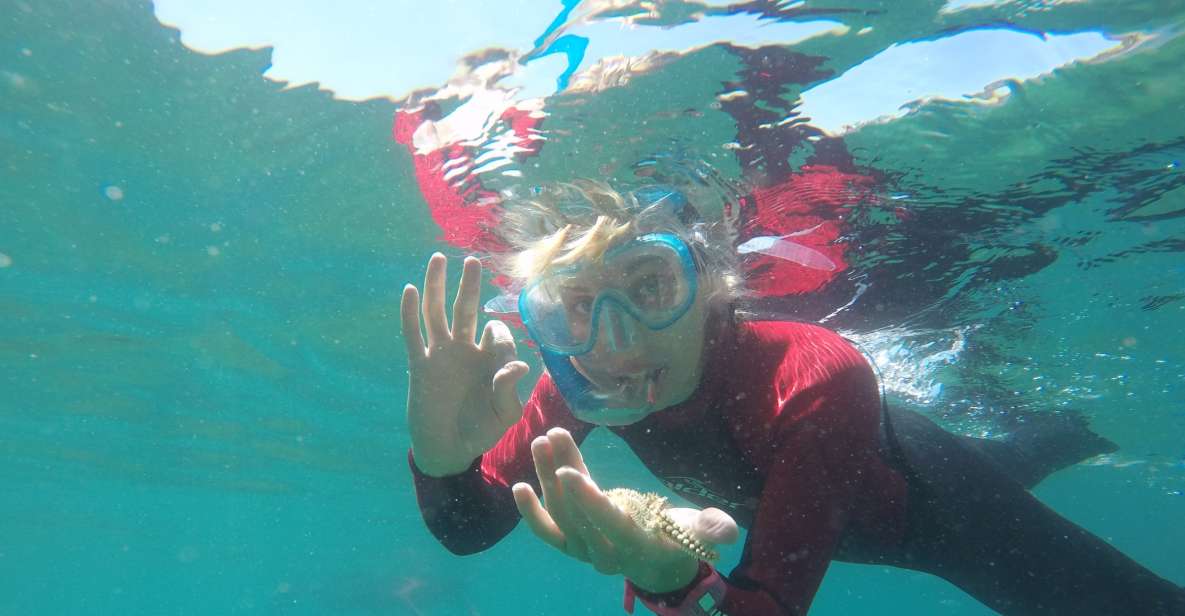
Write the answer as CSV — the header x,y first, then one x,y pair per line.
x,y
811,203
785,441
458,203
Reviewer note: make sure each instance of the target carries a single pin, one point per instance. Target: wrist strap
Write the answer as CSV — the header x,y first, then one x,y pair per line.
x,y
704,598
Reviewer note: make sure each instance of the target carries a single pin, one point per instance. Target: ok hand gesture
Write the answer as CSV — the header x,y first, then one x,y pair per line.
x,y
461,395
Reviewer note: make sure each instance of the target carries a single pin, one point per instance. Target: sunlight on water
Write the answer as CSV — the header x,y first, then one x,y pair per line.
x,y
909,363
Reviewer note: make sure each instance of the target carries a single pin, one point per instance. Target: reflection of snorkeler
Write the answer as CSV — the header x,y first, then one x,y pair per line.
x,y
777,426
807,205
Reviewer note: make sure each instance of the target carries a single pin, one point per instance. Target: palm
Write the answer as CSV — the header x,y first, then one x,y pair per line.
x,y
583,522
454,412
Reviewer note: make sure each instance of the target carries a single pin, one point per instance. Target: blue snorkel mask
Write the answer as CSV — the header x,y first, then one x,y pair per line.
x,y
601,309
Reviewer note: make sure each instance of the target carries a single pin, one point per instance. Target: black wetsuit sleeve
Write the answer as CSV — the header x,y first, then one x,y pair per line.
x,y
465,512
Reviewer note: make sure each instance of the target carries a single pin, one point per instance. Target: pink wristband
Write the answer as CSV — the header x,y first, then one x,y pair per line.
x,y
702,600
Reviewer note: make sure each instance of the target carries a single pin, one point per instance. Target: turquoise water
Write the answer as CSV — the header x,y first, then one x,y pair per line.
x,y
202,380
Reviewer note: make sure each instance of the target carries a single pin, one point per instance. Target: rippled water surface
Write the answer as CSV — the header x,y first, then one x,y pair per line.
x,y
206,217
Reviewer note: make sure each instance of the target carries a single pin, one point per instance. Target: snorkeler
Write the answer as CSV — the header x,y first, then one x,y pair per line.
x,y
779,427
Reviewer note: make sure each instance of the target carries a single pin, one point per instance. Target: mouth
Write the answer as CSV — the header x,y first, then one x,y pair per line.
x,y
652,385
635,386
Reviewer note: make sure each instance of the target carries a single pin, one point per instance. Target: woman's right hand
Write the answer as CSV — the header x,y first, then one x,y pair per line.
x,y
461,395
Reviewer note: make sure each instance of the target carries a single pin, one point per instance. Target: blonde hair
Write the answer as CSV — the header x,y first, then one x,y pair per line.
x,y
565,223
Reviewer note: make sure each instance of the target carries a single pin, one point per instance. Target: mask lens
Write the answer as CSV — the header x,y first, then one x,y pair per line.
x,y
558,315
651,284
651,279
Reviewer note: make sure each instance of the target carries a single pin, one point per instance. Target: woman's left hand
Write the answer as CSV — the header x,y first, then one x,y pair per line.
x,y
577,519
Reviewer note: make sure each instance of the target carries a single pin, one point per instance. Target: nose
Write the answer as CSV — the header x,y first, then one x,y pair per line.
x,y
618,331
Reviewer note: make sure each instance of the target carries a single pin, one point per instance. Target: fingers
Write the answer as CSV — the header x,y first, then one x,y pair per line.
x,y
409,319
577,487
466,303
565,451
710,525
715,526
577,513
545,469
604,516
497,340
554,498
538,520
508,408
583,497
433,307
543,526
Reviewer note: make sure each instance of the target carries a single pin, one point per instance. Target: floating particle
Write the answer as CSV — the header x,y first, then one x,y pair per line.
x,y
113,193
5,261
26,52
213,251
16,80
216,227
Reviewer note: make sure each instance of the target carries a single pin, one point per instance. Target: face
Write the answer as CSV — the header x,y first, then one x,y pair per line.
x,y
634,365
655,369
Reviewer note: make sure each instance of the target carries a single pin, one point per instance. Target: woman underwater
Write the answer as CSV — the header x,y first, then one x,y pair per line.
x,y
779,427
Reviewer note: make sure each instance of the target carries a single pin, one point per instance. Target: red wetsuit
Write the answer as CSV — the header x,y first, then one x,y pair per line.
x,y
782,433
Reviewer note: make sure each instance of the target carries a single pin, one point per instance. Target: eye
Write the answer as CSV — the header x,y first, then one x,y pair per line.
x,y
647,290
578,304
